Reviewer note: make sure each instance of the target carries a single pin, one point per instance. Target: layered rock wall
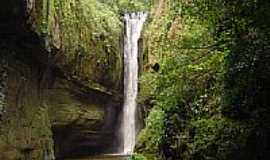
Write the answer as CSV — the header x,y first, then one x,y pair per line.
x,y
60,83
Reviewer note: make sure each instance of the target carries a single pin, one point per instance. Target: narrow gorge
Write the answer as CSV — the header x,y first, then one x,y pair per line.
x,y
134,80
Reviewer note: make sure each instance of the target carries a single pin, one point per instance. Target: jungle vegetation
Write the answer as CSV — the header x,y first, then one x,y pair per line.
x,y
208,100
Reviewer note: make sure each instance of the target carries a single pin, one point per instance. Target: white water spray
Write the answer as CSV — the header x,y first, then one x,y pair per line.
x,y
134,24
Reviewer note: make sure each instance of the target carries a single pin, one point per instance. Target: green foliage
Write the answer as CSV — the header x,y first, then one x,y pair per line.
x,y
132,5
148,86
85,35
87,27
150,138
137,157
216,138
248,61
128,6
190,80
80,28
213,78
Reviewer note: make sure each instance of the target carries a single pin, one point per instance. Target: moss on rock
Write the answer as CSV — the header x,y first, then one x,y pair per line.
x,y
84,38
25,128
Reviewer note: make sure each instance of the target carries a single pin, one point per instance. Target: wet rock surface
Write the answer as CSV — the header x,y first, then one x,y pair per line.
x,y
83,121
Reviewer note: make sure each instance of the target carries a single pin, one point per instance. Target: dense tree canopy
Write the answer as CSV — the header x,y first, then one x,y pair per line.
x,y
209,99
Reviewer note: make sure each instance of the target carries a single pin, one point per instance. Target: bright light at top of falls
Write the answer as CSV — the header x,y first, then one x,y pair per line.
x,y
133,27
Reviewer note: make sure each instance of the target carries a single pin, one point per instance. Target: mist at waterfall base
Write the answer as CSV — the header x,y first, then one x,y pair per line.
x,y
133,28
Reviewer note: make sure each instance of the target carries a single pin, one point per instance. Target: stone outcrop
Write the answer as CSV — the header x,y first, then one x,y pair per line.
x,y
83,121
61,91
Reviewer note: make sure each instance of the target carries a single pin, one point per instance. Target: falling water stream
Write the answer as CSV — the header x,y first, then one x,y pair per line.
x,y
133,24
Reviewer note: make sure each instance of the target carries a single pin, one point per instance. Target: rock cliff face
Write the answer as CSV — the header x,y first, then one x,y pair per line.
x,y
60,83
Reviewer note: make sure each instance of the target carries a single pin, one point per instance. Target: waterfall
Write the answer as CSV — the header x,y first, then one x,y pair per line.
x,y
133,24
